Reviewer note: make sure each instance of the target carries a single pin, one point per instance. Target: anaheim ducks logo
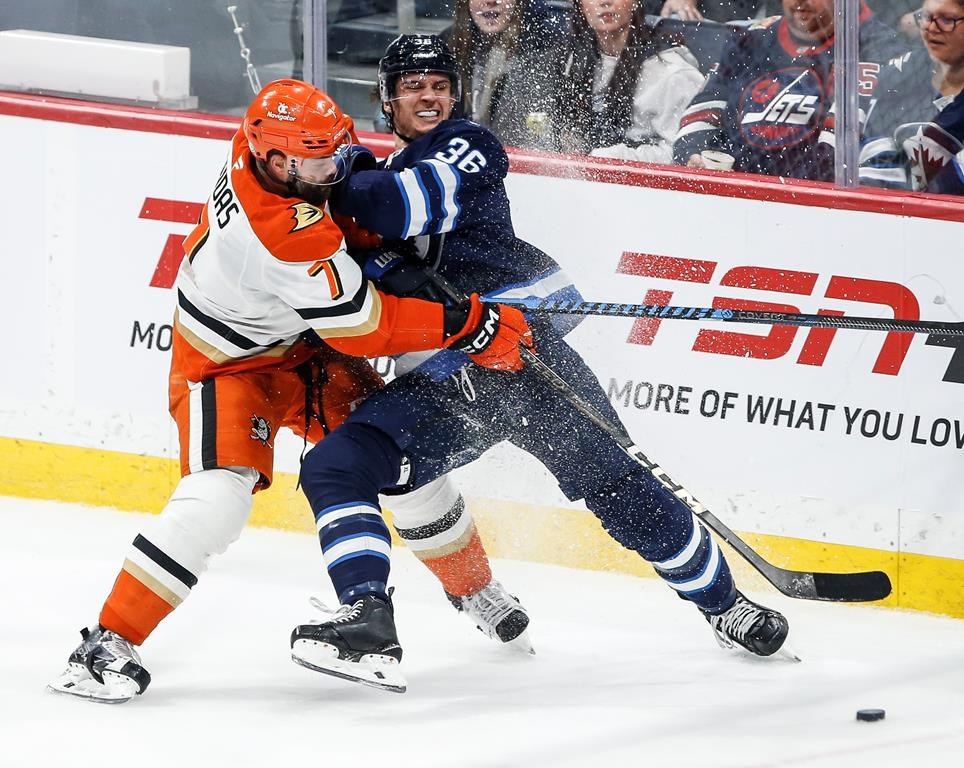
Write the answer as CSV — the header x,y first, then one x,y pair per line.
x,y
305,214
261,430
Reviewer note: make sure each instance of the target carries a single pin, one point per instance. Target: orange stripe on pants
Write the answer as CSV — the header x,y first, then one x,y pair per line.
x,y
132,610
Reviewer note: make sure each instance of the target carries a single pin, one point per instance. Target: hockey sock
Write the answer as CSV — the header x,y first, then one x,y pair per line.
x,y
205,514
341,476
643,516
435,524
699,572
357,549
462,572
149,586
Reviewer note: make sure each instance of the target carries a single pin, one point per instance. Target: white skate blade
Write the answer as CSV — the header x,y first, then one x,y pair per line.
x,y
372,669
76,681
787,654
521,644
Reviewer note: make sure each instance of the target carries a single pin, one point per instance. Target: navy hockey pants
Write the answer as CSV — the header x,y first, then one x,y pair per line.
x,y
439,425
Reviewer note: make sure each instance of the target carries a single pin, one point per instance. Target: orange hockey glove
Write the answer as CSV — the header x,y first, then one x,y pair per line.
x,y
490,335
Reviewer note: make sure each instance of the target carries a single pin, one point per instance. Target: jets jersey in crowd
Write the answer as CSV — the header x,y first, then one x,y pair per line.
x,y
914,135
261,269
769,101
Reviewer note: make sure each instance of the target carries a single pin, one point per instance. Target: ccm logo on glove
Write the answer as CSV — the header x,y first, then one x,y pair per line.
x,y
491,334
485,334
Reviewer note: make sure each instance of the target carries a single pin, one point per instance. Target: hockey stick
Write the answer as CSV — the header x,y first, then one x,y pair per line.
x,y
858,587
615,309
807,585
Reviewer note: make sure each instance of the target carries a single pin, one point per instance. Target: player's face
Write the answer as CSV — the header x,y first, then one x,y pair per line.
x,y
810,19
945,47
421,102
491,16
312,179
607,16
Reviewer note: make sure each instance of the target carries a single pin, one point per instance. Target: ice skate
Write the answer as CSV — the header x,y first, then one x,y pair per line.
x,y
759,630
104,668
357,643
497,614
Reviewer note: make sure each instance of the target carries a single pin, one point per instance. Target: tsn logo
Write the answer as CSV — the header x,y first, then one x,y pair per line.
x,y
775,344
785,282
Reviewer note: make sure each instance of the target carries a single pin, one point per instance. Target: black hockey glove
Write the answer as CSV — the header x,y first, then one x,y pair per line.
x,y
349,159
400,275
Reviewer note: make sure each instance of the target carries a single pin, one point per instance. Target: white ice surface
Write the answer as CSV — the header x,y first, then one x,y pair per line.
x,y
625,673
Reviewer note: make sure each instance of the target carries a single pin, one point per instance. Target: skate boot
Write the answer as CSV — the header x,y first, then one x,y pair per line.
x,y
103,668
497,614
358,642
757,629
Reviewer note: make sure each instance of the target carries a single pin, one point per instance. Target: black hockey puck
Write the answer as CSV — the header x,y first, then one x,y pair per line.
x,y
870,715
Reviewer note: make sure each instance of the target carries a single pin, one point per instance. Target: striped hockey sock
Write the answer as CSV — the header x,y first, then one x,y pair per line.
x,y
149,586
451,548
357,549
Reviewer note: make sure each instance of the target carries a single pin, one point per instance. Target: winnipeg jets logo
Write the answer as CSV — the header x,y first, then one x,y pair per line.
x,y
929,148
261,430
282,112
782,109
304,215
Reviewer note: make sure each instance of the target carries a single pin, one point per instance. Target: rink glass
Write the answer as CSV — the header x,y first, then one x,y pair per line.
x,y
271,45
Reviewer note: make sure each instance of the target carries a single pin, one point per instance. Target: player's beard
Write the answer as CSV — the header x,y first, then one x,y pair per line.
x,y
316,194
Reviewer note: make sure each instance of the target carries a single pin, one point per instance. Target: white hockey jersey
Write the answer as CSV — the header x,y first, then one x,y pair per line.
x,y
260,269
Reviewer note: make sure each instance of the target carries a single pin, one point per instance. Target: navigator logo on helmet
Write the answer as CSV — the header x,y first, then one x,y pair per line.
x,y
303,124
294,118
414,54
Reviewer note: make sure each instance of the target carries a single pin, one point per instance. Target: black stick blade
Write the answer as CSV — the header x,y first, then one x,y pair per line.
x,y
852,587
863,587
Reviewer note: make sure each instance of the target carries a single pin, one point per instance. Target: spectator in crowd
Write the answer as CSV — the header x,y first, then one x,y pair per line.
x,y
697,10
625,84
506,52
897,14
916,125
769,103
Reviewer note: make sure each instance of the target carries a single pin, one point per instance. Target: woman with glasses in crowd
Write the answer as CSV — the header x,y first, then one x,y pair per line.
x,y
915,128
625,84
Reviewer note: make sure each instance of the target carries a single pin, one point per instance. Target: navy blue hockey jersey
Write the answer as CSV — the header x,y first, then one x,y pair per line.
x,y
769,102
914,136
445,192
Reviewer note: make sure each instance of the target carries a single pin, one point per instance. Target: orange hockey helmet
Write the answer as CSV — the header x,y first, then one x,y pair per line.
x,y
297,119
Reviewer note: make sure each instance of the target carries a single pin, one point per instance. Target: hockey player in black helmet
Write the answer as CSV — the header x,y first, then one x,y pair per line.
x,y
413,55
440,204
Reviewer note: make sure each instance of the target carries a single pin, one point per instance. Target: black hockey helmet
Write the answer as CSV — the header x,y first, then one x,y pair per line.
x,y
416,53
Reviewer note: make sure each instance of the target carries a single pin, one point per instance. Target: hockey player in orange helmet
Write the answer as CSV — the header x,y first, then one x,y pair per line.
x,y
294,131
265,267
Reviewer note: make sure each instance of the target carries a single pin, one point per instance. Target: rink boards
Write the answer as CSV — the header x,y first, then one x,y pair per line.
x,y
831,450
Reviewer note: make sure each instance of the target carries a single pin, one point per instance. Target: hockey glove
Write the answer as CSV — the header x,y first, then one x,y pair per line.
x,y
490,335
399,276
349,159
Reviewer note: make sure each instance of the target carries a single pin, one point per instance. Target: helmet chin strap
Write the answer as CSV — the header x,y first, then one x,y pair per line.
x,y
390,122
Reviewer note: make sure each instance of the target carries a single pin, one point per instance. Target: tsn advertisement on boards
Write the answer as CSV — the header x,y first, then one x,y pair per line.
x,y
853,437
